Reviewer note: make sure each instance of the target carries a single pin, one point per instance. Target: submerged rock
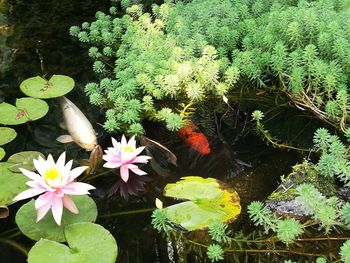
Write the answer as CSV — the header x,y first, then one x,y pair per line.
x,y
283,200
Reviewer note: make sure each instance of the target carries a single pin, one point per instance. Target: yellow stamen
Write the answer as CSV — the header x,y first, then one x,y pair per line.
x,y
51,174
128,149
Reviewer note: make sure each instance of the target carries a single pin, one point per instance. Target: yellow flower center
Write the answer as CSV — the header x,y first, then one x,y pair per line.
x,y
128,149
51,174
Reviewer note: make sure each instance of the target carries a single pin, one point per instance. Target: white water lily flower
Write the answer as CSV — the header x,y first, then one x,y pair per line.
x,y
55,184
124,154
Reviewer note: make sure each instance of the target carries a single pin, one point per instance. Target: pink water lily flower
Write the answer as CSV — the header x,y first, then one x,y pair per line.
x,y
55,184
124,154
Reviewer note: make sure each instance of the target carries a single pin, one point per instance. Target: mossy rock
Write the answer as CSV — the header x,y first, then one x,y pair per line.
x,y
282,200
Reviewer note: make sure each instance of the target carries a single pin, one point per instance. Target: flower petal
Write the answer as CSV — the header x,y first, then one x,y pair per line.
x,y
115,143
112,165
34,184
61,161
123,142
40,165
132,142
138,171
69,204
29,193
68,166
76,172
50,161
139,150
57,209
43,199
77,188
124,173
33,176
42,211
141,159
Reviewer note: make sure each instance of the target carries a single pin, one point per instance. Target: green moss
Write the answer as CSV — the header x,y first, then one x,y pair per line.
x,y
302,173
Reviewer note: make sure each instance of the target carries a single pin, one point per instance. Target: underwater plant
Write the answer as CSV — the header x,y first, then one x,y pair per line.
x,y
55,184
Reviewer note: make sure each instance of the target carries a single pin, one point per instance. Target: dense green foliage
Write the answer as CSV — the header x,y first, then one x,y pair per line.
x,y
141,67
333,161
153,65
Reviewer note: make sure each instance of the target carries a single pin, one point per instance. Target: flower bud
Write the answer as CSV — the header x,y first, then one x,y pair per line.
x,y
95,158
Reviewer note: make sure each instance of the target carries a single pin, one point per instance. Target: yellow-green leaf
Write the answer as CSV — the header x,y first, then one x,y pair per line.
x,y
210,201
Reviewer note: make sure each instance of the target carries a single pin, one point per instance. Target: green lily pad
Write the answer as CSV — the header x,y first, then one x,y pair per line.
x,y
23,160
47,227
11,184
88,243
56,86
210,200
26,109
7,135
2,153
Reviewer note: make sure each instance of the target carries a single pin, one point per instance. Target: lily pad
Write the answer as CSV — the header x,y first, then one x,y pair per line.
x,y
210,200
56,86
7,135
47,227
2,153
11,184
88,243
26,109
23,160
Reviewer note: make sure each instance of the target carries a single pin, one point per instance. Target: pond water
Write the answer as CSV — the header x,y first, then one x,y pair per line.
x,y
34,41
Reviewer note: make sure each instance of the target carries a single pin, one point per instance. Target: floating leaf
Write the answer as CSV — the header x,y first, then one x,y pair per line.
x,y
7,135
23,160
209,201
56,86
11,184
47,227
26,109
88,243
2,153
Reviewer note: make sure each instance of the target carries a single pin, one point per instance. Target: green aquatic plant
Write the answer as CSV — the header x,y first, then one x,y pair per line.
x,y
287,229
90,243
140,78
26,109
334,157
161,222
208,201
218,232
215,252
185,51
38,87
261,216
6,135
345,252
257,117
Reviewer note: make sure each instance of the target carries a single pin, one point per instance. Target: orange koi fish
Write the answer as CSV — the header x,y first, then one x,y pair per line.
x,y
195,138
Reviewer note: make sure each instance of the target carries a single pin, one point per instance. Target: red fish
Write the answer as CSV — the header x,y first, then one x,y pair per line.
x,y
195,138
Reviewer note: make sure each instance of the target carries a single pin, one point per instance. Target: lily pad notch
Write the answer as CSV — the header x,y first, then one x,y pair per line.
x,y
56,86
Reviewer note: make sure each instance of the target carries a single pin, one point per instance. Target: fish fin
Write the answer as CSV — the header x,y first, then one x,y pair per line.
x,y
63,125
65,139
169,154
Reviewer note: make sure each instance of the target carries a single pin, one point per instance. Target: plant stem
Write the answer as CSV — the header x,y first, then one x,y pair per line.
x,y
262,250
15,245
146,210
89,178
